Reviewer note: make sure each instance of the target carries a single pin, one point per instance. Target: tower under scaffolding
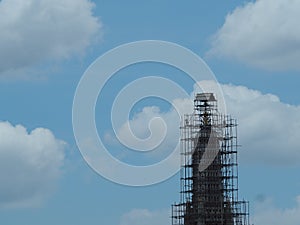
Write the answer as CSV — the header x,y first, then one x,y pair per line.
x,y
209,175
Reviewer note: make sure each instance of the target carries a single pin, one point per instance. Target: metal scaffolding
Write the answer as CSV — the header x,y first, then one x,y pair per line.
x,y
209,174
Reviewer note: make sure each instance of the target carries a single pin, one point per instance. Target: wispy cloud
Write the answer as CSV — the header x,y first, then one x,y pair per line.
x,y
267,213
146,217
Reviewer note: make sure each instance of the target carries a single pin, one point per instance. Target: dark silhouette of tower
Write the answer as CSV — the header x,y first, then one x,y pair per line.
x,y
209,187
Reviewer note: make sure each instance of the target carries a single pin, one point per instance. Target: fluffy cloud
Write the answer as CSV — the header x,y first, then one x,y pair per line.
x,y
267,213
145,217
153,132
263,33
268,128
150,129
30,164
34,30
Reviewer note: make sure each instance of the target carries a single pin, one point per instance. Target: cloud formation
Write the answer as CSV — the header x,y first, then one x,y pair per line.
x,y
267,213
268,128
30,164
33,31
263,34
149,129
145,217
153,132
264,213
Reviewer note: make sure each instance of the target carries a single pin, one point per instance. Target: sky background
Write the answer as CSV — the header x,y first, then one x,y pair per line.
x,y
252,47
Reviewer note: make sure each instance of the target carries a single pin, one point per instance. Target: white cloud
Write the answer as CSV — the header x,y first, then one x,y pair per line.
x,y
152,132
263,33
267,213
36,30
146,217
149,129
268,130
30,164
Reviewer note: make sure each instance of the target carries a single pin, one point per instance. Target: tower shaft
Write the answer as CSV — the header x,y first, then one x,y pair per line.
x,y
209,168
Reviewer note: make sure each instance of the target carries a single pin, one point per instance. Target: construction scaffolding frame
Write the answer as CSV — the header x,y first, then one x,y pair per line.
x,y
209,172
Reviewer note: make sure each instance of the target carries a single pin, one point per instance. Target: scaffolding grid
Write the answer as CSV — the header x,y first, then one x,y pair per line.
x,y
209,173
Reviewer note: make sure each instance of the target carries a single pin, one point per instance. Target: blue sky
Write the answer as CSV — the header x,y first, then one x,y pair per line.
x,y
45,48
